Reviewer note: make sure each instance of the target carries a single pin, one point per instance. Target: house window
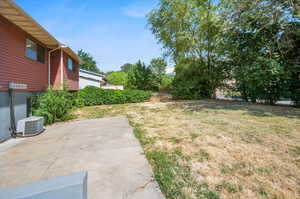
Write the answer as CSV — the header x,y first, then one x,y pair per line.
x,y
35,51
71,65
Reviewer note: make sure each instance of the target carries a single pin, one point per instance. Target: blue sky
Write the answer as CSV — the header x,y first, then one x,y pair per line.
x,y
113,31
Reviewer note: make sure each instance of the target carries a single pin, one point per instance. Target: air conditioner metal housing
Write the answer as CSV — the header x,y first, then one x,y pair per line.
x,y
30,126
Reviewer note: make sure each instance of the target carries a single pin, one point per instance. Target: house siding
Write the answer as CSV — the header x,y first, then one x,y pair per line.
x,y
71,78
55,70
14,65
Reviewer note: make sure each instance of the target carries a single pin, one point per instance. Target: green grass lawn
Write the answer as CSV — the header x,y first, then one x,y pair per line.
x,y
216,149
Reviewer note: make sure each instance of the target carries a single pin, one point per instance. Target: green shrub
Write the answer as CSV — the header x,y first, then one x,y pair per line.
x,y
55,105
190,81
141,77
95,96
76,100
166,82
117,78
263,79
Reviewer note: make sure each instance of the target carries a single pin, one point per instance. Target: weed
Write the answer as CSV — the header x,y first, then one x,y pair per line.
x,y
203,155
216,122
232,169
246,173
194,136
262,191
173,178
226,169
262,170
140,134
250,137
230,188
244,169
296,150
100,113
203,192
176,140
298,181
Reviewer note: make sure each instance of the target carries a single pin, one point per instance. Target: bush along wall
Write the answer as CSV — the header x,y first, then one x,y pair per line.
x,y
57,105
95,96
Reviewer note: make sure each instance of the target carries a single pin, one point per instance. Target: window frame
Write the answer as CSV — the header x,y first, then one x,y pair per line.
x,y
39,51
73,64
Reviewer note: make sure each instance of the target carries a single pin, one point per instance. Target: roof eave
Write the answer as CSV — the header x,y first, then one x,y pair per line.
x,y
70,52
12,12
16,15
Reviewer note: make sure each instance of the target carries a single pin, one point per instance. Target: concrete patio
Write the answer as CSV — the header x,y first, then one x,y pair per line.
x,y
105,148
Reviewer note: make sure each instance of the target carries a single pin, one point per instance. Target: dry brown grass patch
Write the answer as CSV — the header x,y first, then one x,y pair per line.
x,y
240,150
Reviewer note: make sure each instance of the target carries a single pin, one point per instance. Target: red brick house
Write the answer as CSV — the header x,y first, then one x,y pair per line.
x,y
30,56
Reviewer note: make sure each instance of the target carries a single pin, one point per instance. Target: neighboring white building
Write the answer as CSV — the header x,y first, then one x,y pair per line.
x,y
113,87
87,78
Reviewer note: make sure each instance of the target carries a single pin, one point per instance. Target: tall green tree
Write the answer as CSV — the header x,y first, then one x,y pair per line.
x,y
188,83
88,62
191,29
141,77
126,67
253,43
117,78
289,49
253,33
158,67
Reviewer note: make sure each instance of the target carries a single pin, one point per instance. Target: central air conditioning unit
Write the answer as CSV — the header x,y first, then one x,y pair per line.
x,y
30,126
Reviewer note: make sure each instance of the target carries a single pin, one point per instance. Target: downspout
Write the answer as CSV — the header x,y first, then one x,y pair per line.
x,y
61,69
13,128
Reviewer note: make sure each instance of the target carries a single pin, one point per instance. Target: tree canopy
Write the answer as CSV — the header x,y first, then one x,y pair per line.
x,y
141,77
144,77
158,67
117,78
126,67
254,44
88,62
189,31
256,33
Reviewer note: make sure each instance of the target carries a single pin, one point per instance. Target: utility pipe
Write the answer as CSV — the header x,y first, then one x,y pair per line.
x,y
61,69
13,129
